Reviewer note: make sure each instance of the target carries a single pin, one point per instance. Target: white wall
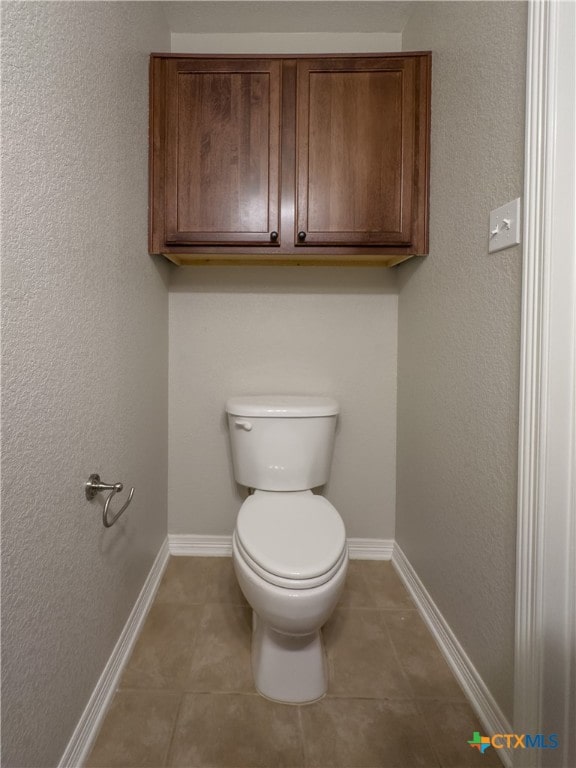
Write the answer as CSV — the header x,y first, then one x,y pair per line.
x,y
301,330
84,352
459,336
282,42
273,329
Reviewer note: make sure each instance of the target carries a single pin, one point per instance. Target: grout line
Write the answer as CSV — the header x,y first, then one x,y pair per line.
x,y
189,692
375,608
168,754
302,737
409,697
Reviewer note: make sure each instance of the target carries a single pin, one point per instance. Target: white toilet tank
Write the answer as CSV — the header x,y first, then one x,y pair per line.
x,y
281,442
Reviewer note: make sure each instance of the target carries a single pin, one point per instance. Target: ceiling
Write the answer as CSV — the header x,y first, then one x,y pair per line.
x,y
228,16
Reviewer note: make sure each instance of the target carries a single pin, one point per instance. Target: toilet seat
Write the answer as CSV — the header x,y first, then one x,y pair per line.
x,y
295,540
278,581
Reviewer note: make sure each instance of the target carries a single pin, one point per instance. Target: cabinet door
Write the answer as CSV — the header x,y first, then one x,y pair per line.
x,y
356,150
222,152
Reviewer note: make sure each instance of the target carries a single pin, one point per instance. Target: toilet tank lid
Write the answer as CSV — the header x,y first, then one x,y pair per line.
x,y
282,406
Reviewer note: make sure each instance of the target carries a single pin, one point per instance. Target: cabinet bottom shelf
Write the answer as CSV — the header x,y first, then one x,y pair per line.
x,y
265,260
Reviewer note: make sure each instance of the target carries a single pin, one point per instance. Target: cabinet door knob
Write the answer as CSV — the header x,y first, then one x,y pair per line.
x,y
301,236
274,236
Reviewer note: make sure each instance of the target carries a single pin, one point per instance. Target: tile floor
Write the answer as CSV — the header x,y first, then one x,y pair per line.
x,y
187,699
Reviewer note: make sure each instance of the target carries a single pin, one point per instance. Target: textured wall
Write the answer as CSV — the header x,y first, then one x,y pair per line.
x,y
272,329
459,335
84,352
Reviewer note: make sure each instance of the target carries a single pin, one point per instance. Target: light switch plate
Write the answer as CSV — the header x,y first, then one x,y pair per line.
x,y
504,226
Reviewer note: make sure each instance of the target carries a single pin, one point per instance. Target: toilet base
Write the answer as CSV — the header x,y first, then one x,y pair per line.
x,y
288,668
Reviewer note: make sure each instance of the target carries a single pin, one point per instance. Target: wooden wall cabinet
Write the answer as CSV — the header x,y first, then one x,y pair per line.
x,y
289,160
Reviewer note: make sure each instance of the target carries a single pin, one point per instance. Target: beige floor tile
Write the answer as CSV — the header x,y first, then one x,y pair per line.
x,y
221,660
236,731
361,659
374,584
355,594
197,580
362,733
184,581
384,585
451,725
137,730
164,649
222,584
420,657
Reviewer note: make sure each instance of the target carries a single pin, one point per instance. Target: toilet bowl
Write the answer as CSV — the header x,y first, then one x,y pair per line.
x,y
292,576
289,545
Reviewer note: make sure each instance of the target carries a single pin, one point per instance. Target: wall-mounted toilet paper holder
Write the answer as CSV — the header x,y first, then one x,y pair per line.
x,y
94,486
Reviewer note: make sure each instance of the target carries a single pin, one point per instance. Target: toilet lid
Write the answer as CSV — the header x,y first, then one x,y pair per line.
x,y
293,535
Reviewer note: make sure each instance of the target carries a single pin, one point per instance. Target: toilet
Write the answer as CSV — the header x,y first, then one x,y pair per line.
x,y
289,545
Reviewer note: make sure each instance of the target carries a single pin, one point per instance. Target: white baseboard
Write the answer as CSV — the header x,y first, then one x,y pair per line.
x,y
370,549
194,545
83,737
476,691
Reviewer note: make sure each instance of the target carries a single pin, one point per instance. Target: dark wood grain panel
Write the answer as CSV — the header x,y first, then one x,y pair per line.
x,y
356,142
355,152
222,152
224,190
156,165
